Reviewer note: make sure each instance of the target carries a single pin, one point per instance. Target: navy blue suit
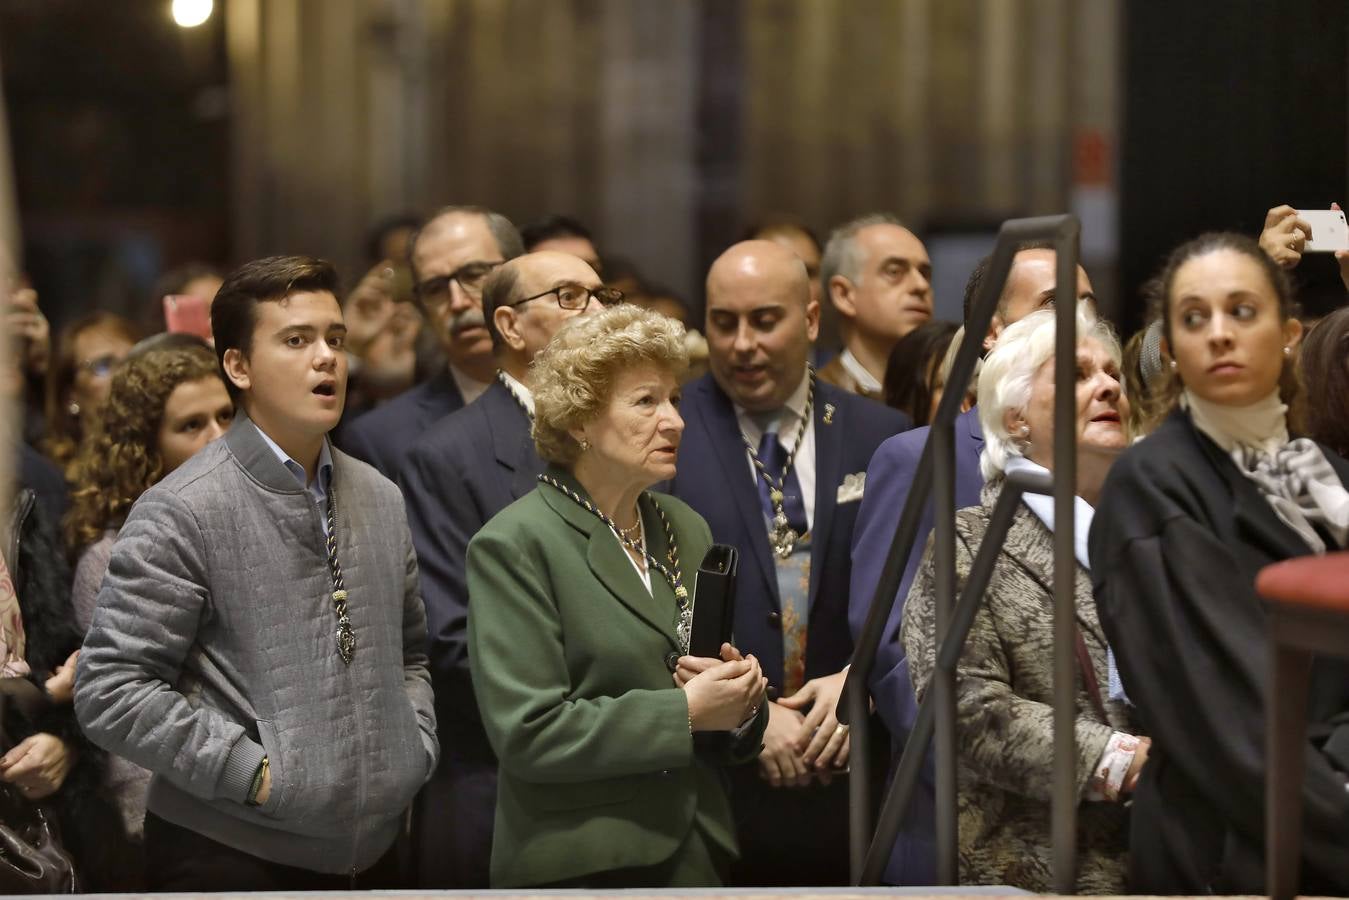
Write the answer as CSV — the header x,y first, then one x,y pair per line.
x,y
383,436
889,477
799,836
461,472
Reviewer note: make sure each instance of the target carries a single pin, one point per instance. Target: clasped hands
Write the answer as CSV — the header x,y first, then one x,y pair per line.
x,y
723,693
804,741
38,765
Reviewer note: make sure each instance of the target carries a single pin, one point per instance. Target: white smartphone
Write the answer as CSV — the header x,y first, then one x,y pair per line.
x,y
1330,231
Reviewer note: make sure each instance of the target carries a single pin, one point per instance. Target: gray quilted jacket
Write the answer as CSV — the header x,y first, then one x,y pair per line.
x,y
213,642
1004,702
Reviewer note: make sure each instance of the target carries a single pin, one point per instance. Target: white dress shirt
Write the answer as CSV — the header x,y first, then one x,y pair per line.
x,y
787,423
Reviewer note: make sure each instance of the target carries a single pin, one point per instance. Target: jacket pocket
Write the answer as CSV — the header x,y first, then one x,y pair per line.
x,y
276,799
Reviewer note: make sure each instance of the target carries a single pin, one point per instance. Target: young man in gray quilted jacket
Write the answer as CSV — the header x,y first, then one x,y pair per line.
x,y
259,641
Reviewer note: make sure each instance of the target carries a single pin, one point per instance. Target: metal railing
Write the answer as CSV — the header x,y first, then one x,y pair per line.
x,y
935,475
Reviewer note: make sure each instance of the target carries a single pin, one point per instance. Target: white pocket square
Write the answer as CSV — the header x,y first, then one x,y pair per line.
x,y
851,489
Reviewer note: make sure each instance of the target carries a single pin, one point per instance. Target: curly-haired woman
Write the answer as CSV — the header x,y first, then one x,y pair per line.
x,y
582,594
163,407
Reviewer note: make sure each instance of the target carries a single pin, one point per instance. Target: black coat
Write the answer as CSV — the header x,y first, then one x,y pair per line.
x,y
91,826
1177,540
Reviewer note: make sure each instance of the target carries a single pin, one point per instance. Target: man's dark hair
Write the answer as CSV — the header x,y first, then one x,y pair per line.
x,y
498,291
980,272
551,227
234,312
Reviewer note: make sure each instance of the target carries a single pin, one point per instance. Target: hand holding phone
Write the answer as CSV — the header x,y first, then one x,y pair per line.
x,y
189,314
1329,230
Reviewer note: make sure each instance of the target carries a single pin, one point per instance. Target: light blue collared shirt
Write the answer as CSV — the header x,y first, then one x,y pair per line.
x,y
318,488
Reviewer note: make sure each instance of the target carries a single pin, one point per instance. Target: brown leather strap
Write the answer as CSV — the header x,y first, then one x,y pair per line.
x,y
1089,675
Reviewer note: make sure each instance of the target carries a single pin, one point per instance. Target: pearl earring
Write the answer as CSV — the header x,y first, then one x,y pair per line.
x,y
1287,351
73,408
1173,365
585,445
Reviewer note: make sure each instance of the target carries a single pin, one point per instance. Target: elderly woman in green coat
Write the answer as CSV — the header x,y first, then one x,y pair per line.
x,y
582,594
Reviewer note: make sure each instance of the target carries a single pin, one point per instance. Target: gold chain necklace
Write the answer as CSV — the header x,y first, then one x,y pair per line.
x,y
781,535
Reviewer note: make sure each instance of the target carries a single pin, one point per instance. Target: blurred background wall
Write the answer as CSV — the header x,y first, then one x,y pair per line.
x,y
293,125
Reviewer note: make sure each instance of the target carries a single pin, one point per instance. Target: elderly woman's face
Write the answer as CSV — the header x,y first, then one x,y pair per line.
x,y
1101,406
637,436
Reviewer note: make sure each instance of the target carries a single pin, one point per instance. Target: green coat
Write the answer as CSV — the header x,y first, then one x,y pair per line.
x,y
597,768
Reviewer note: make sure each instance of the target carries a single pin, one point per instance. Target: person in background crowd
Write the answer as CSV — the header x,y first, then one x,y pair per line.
x,y
196,279
797,237
1324,364
164,406
1144,369
565,235
384,331
913,376
1030,286
48,758
259,641
450,257
390,239
1005,678
582,604
774,460
1285,237
877,275
30,333
462,471
77,383
1186,520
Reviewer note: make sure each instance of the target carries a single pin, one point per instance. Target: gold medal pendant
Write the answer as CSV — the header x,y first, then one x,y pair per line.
x,y
782,537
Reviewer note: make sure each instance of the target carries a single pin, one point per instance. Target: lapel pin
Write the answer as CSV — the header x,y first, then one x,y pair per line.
x,y
829,414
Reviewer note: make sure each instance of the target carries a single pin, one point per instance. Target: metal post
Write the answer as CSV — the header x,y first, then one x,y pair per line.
x,y
1064,815
859,783
944,683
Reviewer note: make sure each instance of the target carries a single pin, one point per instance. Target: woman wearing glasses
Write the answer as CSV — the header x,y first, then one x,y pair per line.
x,y
582,595
79,379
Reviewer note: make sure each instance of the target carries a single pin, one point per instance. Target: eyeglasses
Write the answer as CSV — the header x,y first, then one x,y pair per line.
x,y
470,276
100,366
577,296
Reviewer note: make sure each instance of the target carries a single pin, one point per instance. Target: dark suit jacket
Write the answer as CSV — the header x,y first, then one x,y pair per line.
x,y
889,478
460,473
1176,542
568,650
382,436
714,478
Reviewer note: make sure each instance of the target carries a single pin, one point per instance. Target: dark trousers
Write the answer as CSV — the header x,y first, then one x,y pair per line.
x,y
789,837
452,825
183,861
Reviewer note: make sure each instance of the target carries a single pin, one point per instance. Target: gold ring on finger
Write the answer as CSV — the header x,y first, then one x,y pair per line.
x,y
841,729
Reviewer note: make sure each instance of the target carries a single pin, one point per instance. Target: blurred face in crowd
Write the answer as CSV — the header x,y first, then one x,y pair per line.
x,y
760,324
552,279
803,246
97,351
1030,287
196,413
453,257
295,374
204,286
576,246
892,294
1226,333
636,437
1101,407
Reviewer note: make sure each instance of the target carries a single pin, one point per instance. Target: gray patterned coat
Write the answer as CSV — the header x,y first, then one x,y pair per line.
x,y
1004,697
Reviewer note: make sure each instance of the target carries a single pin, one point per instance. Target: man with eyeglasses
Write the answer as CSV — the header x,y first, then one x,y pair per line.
x,y
462,471
450,257
878,276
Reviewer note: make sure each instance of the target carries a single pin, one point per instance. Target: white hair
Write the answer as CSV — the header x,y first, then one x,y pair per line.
x,y
1009,369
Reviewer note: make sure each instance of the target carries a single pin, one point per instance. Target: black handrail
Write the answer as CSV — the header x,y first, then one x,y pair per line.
x,y
936,474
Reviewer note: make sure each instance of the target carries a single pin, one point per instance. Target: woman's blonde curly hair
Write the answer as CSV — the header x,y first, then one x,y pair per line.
x,y
573,377
121,460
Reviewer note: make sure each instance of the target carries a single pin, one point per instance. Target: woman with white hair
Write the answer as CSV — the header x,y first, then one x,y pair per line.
x,y
1004,680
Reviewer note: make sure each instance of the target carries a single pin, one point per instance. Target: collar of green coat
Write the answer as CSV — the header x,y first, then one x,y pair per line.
x,y
609,561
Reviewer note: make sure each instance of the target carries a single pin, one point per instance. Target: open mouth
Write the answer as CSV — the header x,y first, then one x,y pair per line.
x,y
326,389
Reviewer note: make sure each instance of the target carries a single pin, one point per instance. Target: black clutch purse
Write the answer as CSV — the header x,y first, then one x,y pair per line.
x,y
714,601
